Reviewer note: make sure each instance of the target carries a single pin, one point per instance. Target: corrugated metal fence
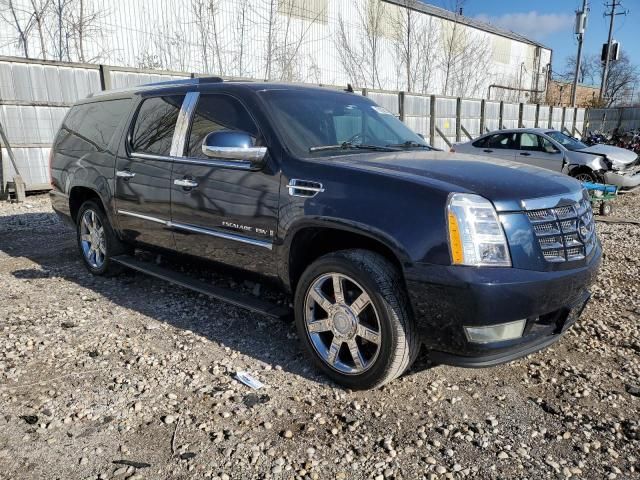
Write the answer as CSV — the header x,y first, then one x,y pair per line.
x,y
35,95
608,119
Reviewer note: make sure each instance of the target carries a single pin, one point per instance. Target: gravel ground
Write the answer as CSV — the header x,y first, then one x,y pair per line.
x,y
129,377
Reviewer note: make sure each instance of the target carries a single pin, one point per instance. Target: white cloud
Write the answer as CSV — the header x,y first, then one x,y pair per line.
x,y
531,24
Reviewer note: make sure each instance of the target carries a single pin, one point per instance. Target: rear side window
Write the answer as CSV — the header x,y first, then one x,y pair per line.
x,y
481,143
155,124
91,126
502,140
214,113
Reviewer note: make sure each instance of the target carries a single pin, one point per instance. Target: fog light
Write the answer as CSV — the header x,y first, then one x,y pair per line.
x,y
496,333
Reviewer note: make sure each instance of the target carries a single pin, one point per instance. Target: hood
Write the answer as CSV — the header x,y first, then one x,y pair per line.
x,y
616,155
505,183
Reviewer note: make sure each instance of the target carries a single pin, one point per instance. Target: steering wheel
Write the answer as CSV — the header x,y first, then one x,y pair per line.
x,y
359,139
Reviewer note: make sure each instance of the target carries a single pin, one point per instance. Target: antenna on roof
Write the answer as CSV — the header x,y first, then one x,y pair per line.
x,y
349,88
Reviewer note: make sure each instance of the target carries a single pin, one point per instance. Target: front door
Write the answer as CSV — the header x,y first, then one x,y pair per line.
x,y
533,151
220,211
143,173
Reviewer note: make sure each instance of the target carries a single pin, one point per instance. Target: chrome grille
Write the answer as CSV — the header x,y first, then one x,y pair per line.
x,y
564,233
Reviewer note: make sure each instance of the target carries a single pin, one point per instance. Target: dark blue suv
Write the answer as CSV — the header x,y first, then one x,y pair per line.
x,y
385,243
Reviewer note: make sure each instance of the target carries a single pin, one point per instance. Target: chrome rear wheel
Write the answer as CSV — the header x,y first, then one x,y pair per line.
x,y
92,239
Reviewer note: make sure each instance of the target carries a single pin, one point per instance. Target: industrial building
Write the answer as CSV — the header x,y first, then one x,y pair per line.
x,y
392,45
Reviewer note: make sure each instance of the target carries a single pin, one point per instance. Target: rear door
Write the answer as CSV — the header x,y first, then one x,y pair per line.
x,y
143,172
220,211
533,152
501,145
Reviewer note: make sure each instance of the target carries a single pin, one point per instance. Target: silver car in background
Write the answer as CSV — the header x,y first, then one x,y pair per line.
x,y
553,150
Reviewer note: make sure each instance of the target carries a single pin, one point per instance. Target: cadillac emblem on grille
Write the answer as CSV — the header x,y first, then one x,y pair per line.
x,y
564,233
583,230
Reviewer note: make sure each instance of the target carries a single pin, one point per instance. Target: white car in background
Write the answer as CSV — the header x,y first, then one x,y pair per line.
x,y
553,150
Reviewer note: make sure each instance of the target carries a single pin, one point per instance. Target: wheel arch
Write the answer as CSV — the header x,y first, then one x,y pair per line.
x,y
308,241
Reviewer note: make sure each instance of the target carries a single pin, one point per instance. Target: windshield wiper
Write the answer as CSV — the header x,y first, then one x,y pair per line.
x,y
348,146
410,144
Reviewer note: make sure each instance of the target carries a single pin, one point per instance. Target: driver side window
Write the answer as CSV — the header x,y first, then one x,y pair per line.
x,y
530,142
214,113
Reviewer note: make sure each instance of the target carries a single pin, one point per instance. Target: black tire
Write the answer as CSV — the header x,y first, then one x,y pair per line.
x,y
398,342
606,209
586,175
113,246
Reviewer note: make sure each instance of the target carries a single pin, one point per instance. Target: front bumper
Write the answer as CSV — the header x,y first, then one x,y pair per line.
x,y
621,180
445,299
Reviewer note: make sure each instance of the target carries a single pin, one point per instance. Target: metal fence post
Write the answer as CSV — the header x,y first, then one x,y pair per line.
x,y
537,117
482,116
401,99
620,115
500,116
520,114
432,122
458,118
105,77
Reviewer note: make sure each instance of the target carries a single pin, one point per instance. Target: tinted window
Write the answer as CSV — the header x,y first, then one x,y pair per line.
x,y
502,140
91,126
530,141
155,123
214,113
481,143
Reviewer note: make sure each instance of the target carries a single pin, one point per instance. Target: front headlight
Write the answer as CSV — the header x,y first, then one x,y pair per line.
x,y
476,237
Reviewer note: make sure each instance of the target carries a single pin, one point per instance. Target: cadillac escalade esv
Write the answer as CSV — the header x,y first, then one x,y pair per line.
x,y
385,243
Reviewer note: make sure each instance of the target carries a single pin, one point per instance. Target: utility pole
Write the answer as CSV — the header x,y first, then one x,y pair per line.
x,y
613,5
581,26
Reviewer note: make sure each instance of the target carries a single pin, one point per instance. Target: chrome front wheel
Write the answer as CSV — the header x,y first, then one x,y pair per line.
x,y
342,323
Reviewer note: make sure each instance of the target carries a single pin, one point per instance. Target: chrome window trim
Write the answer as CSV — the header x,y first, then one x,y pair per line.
x,y
150,156
214,163
193,161
204,231
182,124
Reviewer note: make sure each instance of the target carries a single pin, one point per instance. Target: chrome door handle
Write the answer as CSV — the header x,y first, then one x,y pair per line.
x,y
186,183
125,174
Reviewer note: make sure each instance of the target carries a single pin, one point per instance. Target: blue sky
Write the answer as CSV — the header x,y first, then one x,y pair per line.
x,y
551,22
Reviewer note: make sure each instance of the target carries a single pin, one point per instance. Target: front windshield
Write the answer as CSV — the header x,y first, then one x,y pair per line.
x,y
321,121
568,142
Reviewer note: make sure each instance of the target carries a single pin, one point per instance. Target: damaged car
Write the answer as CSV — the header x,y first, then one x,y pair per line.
x,y
554,150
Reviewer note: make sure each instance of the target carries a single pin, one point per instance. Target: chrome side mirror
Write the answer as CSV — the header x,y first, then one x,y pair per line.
x,y
234,146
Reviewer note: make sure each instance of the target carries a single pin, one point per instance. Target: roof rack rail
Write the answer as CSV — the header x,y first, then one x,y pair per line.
x,y
188,81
